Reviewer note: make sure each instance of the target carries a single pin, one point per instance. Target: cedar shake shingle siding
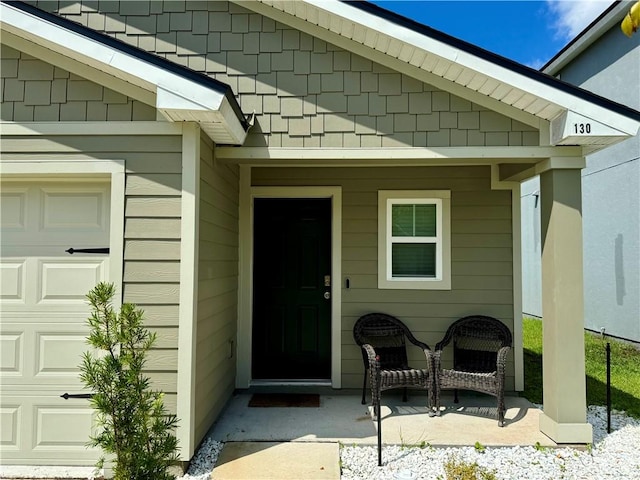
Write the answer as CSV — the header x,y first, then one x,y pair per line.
x,y
36,91
305,92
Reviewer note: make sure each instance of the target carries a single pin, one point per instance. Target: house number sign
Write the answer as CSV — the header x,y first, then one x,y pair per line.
x,y
571,124
582,128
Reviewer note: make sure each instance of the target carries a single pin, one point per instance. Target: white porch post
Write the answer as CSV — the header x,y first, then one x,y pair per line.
x,y
564,384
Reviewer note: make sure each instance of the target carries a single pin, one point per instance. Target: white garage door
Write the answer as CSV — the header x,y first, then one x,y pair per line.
x,y
44,310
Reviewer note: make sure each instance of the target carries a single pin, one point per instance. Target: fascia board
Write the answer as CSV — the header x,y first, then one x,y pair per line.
x,y
172,97
477,64
235,129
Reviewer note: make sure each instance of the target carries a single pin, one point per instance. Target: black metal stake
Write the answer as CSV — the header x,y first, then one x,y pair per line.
x,y
379,410
608,387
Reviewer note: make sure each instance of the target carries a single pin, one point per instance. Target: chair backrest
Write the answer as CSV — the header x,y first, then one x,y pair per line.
x,y
476,341
387,336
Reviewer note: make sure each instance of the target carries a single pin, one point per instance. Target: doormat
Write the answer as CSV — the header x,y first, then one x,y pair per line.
x,y
285,400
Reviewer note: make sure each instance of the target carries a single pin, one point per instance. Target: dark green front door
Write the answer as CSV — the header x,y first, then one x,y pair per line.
x,y
291,287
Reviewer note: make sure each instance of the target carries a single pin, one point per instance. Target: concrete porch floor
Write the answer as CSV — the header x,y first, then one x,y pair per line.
x,y
342,418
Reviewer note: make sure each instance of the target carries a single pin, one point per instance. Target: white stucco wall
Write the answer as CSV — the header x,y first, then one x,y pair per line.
x,y
611,201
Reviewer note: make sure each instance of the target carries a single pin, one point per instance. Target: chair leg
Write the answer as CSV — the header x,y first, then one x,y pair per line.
x,y
501,410
379,436
455,396
364,388
404,395
431,403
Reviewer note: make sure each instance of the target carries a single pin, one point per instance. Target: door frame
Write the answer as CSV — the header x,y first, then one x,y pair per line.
x,y
245,291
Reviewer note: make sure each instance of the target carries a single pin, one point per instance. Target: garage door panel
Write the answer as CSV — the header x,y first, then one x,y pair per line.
x,y
59,354
44,316
47,428
62,426
43,354
68,281
54,214
83,210
10,420
49,284
13,281
11,353
13,208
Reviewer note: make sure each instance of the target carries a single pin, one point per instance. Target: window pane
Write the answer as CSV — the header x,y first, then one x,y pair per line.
x,y
413,260
413,220
402,220
425,220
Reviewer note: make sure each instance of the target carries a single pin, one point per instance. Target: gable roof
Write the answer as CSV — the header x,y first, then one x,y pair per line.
x,y
179,93
460,68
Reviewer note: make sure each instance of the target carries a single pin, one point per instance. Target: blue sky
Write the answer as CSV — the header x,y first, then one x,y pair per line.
x,y
528,31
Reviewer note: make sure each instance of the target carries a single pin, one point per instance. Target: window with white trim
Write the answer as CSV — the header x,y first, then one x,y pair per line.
x,y
414,239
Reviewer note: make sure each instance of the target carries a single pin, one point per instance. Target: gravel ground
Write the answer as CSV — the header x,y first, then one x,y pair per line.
x,y
612,456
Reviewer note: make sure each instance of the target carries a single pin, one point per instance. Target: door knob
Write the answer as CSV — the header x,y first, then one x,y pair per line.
x,y
327,295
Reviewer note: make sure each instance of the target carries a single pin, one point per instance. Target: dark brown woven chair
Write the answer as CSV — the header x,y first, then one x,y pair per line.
x,y
384,354
480,348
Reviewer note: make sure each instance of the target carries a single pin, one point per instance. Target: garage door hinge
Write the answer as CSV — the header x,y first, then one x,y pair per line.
x,y
72,250
67,396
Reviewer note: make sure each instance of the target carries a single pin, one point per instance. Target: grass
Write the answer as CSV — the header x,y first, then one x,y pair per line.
x,y
625,369
456,469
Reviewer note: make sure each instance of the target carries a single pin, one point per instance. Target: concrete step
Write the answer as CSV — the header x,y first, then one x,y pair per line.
x,y
278,461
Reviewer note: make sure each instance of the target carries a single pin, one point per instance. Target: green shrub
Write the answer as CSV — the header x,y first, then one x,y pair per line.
x,y
133,424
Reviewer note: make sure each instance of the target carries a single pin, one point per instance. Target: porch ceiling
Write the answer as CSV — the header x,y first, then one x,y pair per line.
x,y
461,69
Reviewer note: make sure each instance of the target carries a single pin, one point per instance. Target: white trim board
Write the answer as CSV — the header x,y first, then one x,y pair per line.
x,y
245,305
516,246
398,156
9,129
188,310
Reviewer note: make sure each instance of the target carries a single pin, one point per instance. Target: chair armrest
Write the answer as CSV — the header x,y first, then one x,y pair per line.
x,y
372,356
502,360
433,360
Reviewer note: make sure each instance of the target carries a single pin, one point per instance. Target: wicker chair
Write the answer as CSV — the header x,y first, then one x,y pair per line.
x,y
384,354
480,347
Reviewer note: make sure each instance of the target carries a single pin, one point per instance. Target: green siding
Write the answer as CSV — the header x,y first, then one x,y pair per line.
x,y
481,251
217,288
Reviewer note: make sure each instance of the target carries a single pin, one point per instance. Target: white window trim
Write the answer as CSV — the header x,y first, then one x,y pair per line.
x,y
442,200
